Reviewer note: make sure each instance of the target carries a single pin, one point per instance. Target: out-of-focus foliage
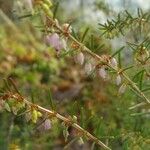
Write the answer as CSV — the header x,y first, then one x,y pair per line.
x,y
36,69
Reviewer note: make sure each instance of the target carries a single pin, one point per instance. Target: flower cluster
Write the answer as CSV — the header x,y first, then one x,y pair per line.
x,y
32,115
102,69
35,113
58,41
55,41
90,64
14,103
11,105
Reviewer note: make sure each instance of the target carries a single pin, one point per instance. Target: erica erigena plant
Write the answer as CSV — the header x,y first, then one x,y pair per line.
x,y
60,38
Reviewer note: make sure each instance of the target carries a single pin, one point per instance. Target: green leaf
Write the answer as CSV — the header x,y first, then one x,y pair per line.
x,y
146,89
119,60
129,15
92,42
98,127
74,34
102,25
139,114
32,96
82,117
63,54
141,79
137,75
127,68
99,47
118,51
84,34
55,10
51,100
25,16
7,107
7,84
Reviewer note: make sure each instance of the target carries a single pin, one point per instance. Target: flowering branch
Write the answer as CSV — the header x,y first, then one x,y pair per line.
x,y
100,59
68,121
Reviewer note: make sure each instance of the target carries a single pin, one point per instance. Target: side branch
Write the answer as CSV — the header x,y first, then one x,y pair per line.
x,y
100,59
58,116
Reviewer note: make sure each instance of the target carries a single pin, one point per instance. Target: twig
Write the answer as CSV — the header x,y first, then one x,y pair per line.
x,y
99,59
64,119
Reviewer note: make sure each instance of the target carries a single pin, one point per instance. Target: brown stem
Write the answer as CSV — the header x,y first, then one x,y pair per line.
x,y
65,120
98,58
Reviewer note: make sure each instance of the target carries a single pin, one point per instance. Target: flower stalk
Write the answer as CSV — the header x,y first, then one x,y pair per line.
x,y
99,59
68,121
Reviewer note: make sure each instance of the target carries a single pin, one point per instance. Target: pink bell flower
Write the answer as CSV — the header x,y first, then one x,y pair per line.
x,y
55,41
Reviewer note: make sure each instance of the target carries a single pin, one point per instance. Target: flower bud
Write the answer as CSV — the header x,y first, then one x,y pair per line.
x,y
46,9
52,39
80,141
48,2
102,72
55,41
122,88
28,116
113,63
67,28
88,68
34,116
47,124
118,80
39,114
74,118
79,58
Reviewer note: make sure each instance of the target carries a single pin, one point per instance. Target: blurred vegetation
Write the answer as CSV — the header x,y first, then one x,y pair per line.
x,y
36,69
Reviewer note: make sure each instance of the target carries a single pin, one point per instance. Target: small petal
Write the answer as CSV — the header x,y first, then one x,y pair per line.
x,y
102,72
64,44
53,40
79,58
122,89
80,141
88,68
113,62
28,116
47,124
48,2
118,80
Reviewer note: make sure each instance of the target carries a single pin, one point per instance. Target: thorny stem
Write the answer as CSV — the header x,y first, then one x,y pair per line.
x,y
99,59
138,105
62,118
